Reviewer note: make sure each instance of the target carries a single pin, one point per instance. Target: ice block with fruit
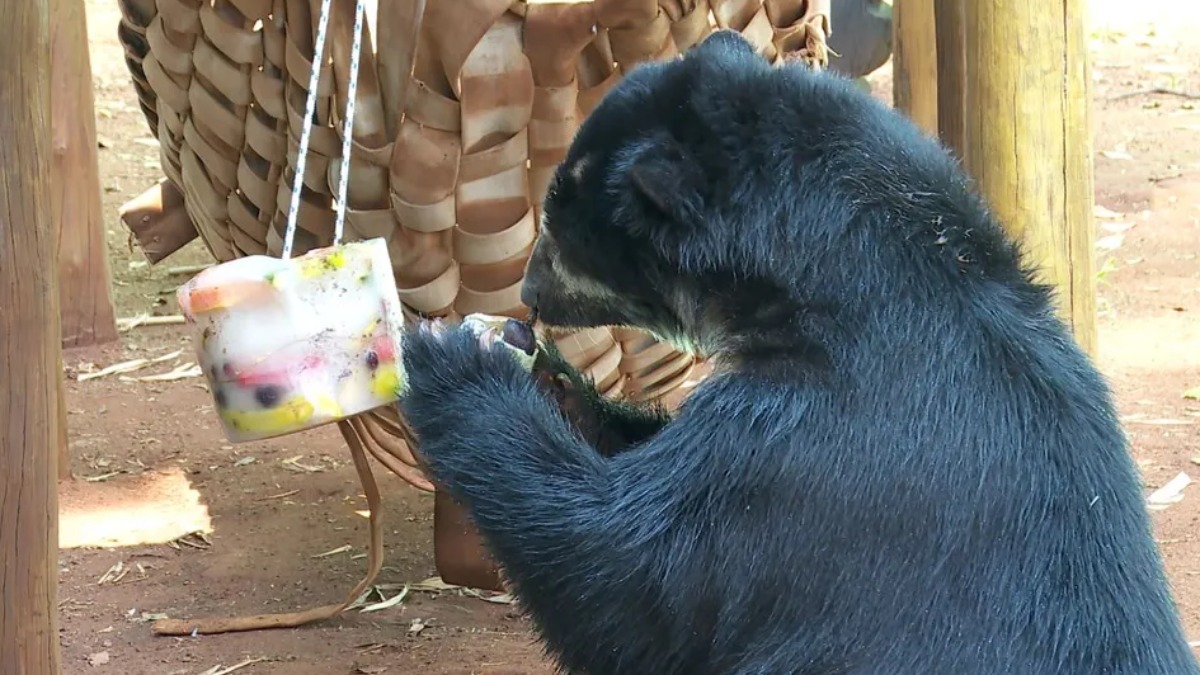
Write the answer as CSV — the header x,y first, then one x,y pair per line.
x,y
289,345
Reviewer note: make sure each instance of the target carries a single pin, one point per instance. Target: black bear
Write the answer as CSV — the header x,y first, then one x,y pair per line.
x,y
902,463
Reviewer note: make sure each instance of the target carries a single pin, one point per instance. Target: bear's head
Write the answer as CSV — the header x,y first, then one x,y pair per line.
x,y
632,230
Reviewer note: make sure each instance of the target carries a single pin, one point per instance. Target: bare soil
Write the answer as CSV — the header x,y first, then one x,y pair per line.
x,y
271,519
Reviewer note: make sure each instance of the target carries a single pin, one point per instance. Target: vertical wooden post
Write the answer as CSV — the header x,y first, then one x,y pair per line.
x,y
914,62
85,298
86,302
62,443
30,348
1029,142
951,75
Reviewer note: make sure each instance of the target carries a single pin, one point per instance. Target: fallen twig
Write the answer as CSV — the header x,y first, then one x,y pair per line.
x,y
181,270
340,549
129,323
114,574
180,372
436,585
188,540
1165,91
102,477
293,464
1160,421
281,495
128,366
218,670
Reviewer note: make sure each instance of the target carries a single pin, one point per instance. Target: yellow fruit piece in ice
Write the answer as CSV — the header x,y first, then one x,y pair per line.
x,y
386,383
293,413
327,406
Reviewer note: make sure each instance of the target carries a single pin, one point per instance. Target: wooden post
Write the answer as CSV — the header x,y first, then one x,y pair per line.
x,y
86,302
62,443
1028,140
914,62
951,75
30,348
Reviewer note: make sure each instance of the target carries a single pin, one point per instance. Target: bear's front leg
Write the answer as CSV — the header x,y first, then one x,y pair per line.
x,y
484,428
573,537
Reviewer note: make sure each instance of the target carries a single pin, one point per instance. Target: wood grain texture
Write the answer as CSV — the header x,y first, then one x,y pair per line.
x,y
1029,142
914,62
62,444
951,75
30,349
86,303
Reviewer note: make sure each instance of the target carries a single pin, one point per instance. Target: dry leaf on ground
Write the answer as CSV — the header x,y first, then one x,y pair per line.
x,y
1169,494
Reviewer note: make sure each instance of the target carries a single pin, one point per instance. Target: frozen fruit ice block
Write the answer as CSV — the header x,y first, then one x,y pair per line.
x,y
289,345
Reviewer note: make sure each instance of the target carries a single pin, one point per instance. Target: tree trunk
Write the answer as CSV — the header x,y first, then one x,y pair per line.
x,y
914,62
29,349
1028,139
86,300
951,75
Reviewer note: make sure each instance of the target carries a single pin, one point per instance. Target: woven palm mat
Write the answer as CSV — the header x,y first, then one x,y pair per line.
x,y
464,109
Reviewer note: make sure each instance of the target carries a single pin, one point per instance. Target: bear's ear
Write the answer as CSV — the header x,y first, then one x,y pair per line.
x,y
665,178
725,42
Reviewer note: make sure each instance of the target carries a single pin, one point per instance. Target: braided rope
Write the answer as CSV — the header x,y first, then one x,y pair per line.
x,y
351,106
310,108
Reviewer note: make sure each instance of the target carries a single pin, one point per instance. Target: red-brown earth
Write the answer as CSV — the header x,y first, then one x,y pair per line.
x,y
163,439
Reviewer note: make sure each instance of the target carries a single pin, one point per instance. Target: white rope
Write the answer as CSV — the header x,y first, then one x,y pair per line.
x,y
348,126
310,106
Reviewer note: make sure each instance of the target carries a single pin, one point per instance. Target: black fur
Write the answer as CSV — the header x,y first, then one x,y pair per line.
x,y
903,466
611,426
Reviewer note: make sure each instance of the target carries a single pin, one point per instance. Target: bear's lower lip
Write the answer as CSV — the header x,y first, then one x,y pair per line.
x,y
563,319
576,312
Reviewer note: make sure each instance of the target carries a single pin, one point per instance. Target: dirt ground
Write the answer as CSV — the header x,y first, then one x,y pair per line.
x,y
272,518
